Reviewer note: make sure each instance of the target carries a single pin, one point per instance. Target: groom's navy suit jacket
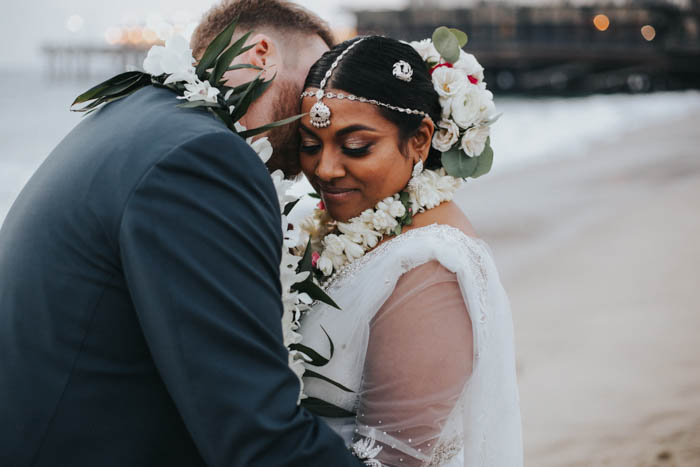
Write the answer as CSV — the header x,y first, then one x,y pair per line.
x,y
140,303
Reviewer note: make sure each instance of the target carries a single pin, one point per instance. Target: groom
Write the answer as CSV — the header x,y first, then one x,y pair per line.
x,y
139,285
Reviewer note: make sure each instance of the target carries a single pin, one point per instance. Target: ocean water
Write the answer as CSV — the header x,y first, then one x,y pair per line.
x,y
35,116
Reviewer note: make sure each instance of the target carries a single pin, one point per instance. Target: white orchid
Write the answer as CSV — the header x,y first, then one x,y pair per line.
x,y
282,187
474,141
446,135
174,59
200,91
263,148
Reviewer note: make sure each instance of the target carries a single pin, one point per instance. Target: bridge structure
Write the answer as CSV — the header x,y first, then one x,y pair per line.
x,y
565,49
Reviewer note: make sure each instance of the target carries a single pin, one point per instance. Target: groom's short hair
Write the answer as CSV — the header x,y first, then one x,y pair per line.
x,y
277,15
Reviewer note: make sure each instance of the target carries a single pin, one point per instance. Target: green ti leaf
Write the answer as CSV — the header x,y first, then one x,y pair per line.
x,y
446,44
288,208
99,90
217,46
269,126
224,61
314,291
313,374
324,409
315,195
242,66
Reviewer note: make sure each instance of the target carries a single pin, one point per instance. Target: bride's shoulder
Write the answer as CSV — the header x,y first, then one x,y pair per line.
x,y
447,214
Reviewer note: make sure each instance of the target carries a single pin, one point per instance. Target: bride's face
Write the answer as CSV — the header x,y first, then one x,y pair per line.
x,y
356,161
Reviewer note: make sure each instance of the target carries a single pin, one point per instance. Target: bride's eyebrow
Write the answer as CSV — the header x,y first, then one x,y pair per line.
x,y
353,128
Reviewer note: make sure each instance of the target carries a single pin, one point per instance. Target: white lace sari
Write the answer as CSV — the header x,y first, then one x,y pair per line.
x,y
425,341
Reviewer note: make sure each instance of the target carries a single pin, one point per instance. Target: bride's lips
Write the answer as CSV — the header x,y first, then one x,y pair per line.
x,y
336,194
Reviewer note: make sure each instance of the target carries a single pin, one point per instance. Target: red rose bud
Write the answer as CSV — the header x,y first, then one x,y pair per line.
x,y
314,257
321,205
447,64
472,79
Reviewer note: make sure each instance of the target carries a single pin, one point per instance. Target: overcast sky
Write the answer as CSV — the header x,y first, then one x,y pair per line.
x,y
26,24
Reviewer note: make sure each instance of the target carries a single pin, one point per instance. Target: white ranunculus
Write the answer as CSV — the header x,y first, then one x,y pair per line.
x,y
383,222
466,107
488,108
468,63
334,246
200,91
426,50
262,147
397,209
174,59
352,249
325,265
474,141
446,135
449,82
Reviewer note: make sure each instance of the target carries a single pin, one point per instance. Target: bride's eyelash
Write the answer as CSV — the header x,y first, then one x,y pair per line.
x,y
362,151
310,148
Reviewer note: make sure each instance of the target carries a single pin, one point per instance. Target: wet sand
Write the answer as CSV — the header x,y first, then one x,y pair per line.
x,y
600,255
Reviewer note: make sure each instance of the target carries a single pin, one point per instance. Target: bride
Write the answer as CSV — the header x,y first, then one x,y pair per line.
x,y
423,346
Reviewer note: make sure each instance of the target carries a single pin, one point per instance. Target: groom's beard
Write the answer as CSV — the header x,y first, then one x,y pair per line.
x,y
285,140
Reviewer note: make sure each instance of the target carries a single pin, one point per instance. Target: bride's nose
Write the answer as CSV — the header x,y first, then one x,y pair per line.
x,y
329,166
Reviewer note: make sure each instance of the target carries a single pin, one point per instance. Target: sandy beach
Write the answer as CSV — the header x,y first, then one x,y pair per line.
x,y
600,255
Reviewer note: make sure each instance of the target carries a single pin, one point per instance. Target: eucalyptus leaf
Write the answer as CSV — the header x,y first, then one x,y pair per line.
x,y
324,409
461,36
269,126
224,61
446,44
484,161
458,164
313,374
217,46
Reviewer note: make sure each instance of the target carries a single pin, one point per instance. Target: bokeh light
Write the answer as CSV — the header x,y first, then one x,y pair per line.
x,y
114,36
601,22
648,32
75,23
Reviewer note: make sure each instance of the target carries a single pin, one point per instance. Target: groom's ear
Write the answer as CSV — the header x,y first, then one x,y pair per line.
x,y
421,140
264,53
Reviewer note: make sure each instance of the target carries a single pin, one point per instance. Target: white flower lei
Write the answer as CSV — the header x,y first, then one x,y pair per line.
x,y
175,60
354,238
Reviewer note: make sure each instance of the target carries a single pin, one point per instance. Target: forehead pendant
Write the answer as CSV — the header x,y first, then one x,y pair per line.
x,y
320,113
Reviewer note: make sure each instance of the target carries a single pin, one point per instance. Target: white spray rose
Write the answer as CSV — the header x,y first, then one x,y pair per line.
x,y
446,135
426,50
466,107
449,82
474,141
468,63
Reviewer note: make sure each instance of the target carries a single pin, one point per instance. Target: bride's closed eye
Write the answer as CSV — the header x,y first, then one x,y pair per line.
x,y
350,149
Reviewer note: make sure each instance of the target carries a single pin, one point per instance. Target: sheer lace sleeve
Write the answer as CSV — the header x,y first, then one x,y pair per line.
x,y
418,361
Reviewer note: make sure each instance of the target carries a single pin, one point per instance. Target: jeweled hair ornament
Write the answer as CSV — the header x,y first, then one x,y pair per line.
x,y
320,114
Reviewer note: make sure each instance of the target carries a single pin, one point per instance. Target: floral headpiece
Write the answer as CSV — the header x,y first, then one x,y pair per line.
x,y
463,133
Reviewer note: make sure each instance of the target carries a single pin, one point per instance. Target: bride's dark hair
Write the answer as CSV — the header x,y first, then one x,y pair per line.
x,y
367,71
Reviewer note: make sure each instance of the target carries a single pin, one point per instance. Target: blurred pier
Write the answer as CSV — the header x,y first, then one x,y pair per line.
x,y
84,61
565,49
